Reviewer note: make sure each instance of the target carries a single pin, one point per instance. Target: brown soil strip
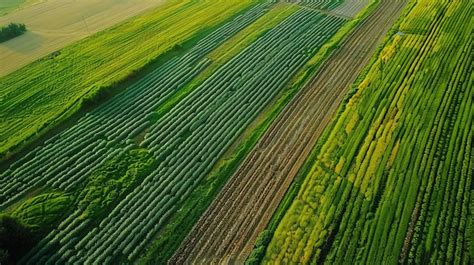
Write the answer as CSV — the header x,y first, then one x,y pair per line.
x,y
227,231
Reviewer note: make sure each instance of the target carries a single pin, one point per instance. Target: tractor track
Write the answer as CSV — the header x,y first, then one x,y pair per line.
x,y
228,229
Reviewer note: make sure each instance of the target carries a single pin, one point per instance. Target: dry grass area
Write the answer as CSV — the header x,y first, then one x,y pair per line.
x,y
57,23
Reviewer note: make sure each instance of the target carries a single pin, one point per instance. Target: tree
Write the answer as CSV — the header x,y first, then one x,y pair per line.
x,y
11,31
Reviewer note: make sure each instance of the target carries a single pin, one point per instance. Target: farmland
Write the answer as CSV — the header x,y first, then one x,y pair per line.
x,y
247,201
232,132
385,187
35,97
8,6
103,134
53,24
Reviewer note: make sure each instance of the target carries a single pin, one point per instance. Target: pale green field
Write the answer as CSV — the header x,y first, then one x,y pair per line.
x,y
7,6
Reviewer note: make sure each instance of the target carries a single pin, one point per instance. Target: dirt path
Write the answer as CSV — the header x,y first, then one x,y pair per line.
x,y
227,231
56,23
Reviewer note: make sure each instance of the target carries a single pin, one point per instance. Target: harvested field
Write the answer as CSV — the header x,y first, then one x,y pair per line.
x,y
227,231
56,23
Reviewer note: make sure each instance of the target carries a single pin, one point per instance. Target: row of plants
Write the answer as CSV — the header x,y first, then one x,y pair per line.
x,y
39,96
321,4
69,159
391,182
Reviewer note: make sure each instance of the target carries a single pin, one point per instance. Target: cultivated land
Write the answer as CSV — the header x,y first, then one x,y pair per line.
x,y
229,228
55,24
42,94
246,131
8,6
181,144
392,178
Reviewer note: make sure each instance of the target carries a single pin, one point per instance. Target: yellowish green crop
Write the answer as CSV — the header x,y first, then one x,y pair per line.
x,y
392,181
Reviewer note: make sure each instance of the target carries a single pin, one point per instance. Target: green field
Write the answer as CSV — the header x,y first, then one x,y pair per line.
x,y
180,135
392,179
45,92
180,224
229,49
7,6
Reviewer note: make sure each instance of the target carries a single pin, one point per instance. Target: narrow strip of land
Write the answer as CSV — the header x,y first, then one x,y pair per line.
x,y
56,23
227,231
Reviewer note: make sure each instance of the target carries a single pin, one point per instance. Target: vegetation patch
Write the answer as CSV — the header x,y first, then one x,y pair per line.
x,y
42,94
111,180
42,212
11,31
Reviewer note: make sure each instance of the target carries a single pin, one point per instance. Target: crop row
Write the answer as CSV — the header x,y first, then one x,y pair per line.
x,y
393,177
186,141
321,4
66,160
36,97
190,138
350,8
343,8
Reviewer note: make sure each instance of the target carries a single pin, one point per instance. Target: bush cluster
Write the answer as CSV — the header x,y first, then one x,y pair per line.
x,y
11,31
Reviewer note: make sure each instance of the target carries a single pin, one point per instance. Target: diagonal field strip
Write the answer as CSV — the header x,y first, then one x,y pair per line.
x,y
54,24
348,9
326,12
228,229
101,136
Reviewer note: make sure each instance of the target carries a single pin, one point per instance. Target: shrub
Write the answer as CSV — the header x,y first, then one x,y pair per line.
x,y
11,31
